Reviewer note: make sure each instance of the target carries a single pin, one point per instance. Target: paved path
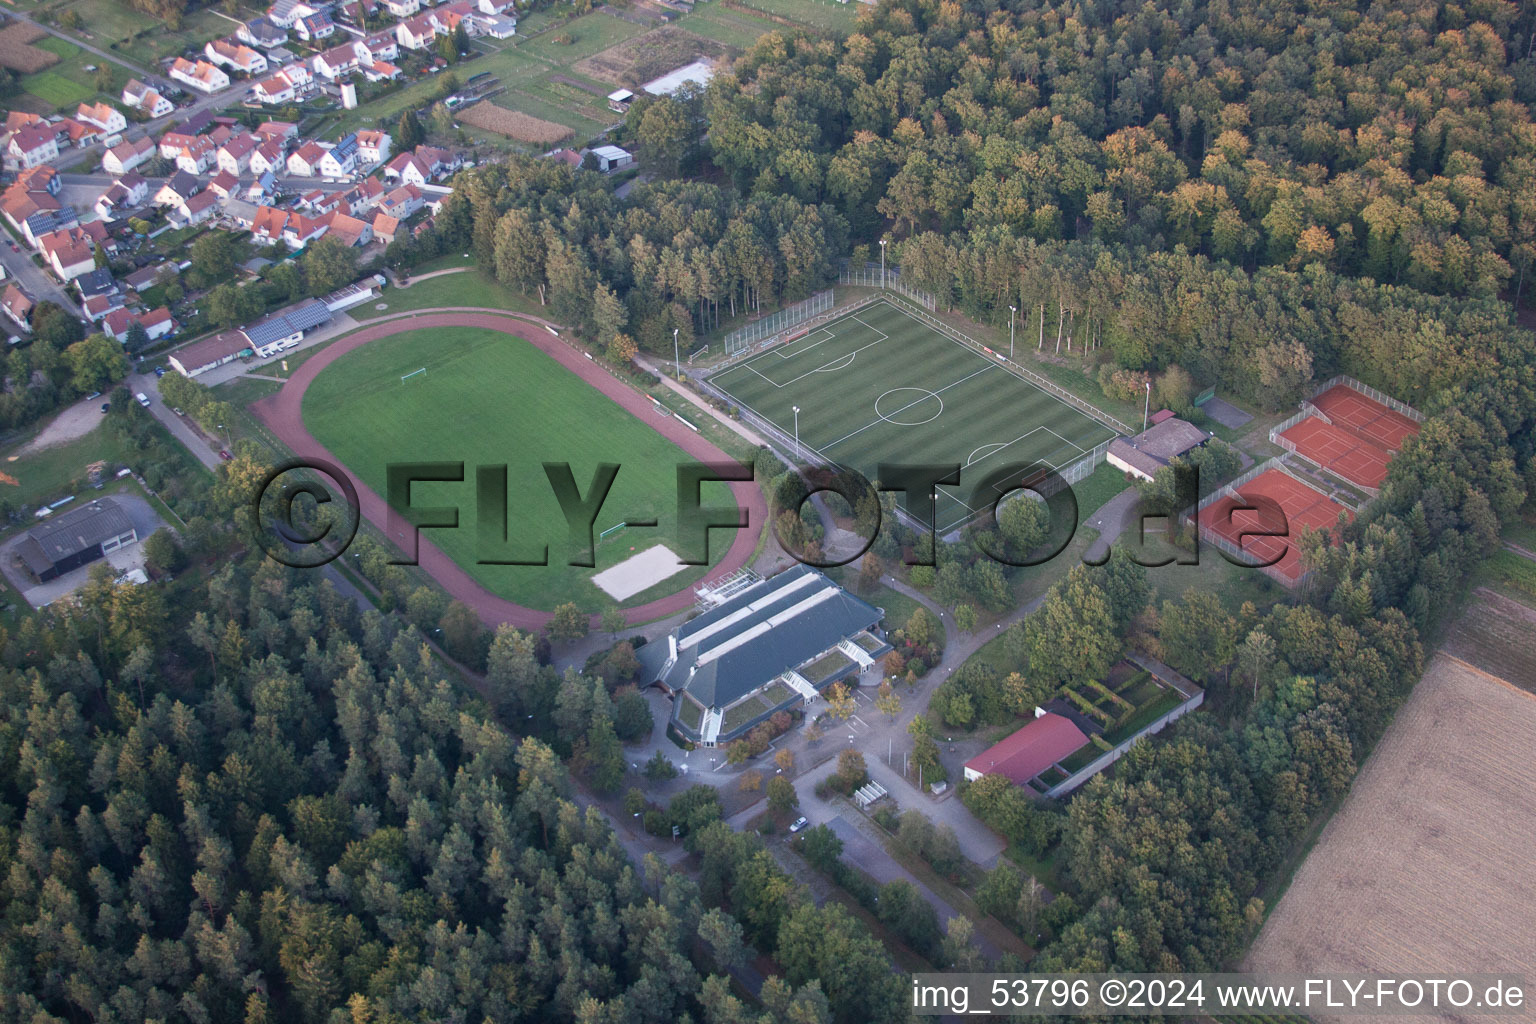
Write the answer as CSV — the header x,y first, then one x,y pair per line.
x,y
282,414
180,427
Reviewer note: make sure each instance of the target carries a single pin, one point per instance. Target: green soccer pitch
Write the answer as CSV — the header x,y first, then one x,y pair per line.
x,y
489,398
878,385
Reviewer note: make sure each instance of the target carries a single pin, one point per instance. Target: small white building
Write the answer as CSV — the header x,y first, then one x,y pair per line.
x,y
612,158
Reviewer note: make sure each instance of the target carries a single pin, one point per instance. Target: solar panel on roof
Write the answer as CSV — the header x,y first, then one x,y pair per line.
x,y
312,314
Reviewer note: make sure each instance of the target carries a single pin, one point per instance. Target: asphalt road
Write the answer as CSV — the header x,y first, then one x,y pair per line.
x,y
33,279
190,439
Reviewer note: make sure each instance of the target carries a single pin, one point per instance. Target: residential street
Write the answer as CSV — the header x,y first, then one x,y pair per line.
x,y
34,281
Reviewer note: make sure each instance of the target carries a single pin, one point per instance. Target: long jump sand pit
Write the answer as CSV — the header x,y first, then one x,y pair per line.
x,y
639,572
1426,867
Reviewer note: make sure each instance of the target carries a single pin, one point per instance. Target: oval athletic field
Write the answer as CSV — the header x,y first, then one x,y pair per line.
x,y
282,413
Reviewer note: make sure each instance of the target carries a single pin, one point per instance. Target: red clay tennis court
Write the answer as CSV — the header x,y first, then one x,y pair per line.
x,y
1304,508
1359,442
1349,408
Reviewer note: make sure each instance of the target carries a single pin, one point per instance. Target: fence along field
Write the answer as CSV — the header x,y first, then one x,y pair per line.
x,y
876,384
17,52
1426,867
514,124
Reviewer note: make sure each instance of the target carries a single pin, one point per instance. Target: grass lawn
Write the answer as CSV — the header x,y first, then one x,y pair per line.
x,y
49,474
1102,484
522,68
689,711
67,83
1144,716
116,27
1509,573
1080,758
471,288
733,28
487,399
738,715
828,664
823,14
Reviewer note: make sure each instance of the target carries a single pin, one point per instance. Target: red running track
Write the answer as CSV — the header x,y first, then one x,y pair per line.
x,y
282,413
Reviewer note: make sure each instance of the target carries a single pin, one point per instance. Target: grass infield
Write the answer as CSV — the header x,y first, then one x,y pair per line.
x,y
877,385
488,399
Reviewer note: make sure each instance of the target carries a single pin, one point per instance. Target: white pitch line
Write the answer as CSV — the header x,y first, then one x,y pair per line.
x,y
882,419
795,345
820,369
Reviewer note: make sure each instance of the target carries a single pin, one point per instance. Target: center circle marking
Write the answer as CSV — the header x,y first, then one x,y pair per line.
x,y
908,403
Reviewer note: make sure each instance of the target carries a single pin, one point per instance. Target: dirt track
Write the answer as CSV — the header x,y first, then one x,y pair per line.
x,y
283,415
1426,867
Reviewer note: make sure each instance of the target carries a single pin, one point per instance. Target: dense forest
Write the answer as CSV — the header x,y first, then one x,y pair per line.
x,y
1262,194
237,795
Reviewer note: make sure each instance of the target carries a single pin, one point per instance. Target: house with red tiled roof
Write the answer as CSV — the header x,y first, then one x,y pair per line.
x,y
380,71
269,156
304,162
157,323
235,155
384,227
351,231
98,306
69,251
202,76
102,116
416,33
277,131
372,147
197,208
17,305
224,184
365,195
145,99
125,156
403,202
31,146
236,55
278,88
197,155
335,62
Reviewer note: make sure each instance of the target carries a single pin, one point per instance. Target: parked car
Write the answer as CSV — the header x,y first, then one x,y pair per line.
x,y
159,371
93,396
106,406
224,454
799,824
143,399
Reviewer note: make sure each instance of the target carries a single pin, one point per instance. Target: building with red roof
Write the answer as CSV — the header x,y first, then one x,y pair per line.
x,y
1030,751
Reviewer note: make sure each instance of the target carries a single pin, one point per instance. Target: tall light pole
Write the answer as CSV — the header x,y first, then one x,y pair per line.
x,y
882,263
798,453
677,363
228,444
1011,310
1146,408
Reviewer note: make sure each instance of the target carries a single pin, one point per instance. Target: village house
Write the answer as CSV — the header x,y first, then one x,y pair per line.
x,y
235,55
202,76
125,156
102,116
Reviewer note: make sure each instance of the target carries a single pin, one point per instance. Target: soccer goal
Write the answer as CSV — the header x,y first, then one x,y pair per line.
x,y
407,376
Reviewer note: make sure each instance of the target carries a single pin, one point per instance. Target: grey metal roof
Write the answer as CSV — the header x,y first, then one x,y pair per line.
x,y
79,529
97,282
280,325
759,634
